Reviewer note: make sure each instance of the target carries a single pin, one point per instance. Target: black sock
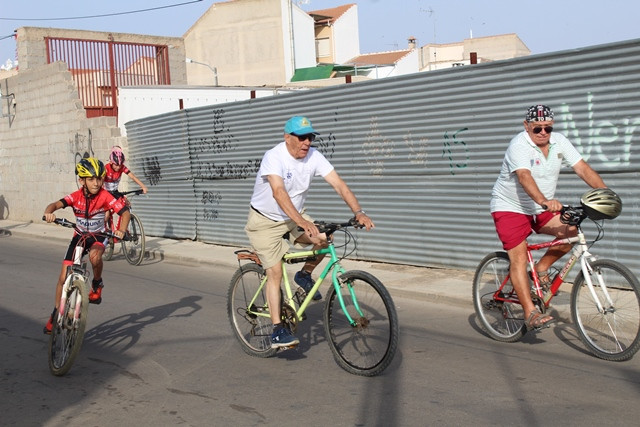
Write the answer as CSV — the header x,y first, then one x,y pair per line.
x,y
277,327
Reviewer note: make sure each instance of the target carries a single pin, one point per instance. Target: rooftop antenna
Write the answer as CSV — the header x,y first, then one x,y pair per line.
x,y
431,13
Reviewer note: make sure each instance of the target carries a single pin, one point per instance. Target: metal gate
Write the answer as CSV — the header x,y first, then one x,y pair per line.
x,y
100,67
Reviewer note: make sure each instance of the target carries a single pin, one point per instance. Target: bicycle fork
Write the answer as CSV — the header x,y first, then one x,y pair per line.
x,y
588,272
72,276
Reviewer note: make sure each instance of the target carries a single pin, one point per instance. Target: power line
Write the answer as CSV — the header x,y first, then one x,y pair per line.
x,y
99,16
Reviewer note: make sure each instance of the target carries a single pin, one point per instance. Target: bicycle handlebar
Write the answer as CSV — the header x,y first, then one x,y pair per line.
x,y
69,224
330,227
572,215
134,192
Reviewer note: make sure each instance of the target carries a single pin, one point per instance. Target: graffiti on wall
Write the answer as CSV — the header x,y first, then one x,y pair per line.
x,y
417,149
210,200
376,149
221,140
607,142
81,146
455,148
151,170
327,146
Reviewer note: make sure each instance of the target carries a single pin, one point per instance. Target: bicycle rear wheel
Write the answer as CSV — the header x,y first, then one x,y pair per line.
x,y
502,321
367,347
133,247
252,331
66,337
615,334
108,250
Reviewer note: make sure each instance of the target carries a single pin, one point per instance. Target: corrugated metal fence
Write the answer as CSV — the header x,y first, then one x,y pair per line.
x,y
421,152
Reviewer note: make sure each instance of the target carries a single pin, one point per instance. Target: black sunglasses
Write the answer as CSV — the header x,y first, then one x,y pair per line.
x,y
309,136
538,129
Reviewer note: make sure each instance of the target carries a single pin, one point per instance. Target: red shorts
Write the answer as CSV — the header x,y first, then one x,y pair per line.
x,y
513,228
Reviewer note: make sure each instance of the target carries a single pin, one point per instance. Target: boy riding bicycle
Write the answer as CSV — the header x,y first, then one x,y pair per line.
x,y
89,204
114,168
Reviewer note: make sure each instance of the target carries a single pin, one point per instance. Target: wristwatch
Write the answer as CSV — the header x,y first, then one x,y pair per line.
x,y
358,212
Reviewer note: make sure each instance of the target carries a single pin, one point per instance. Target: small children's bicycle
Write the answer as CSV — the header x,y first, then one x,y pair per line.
x,y
605,299
360,320
67,333
132,248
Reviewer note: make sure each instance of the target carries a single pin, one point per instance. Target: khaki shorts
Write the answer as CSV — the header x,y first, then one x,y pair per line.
x,y
266,237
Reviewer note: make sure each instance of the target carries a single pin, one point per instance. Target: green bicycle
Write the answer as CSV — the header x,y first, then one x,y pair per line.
x,y
360,320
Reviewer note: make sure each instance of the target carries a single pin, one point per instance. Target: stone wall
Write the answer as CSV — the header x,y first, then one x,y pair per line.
x,y
42,135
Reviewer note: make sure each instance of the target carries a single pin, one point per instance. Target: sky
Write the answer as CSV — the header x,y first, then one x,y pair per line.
x,y
384,25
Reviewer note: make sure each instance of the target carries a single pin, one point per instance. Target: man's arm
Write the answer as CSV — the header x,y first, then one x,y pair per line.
x,y
350,199
531,188
284,201
588,175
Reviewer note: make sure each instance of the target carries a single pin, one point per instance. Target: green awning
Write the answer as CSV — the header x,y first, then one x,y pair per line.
x,y
312,73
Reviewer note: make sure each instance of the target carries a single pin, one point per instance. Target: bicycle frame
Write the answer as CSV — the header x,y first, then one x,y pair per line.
x,y
332,266
74,272
580,251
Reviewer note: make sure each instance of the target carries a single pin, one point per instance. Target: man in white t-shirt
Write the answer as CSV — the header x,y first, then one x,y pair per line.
x,y
523,201
277,208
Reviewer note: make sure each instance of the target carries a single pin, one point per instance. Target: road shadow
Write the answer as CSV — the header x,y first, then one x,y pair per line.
x,y
120,334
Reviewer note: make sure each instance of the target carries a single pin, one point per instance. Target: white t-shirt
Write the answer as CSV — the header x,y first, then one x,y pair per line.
x,y
508,195
296,173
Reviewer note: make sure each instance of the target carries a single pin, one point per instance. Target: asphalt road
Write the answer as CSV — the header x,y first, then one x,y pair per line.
x,y
159,351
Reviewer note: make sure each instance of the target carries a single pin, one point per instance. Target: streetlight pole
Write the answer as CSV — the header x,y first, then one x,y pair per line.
x,y
214,69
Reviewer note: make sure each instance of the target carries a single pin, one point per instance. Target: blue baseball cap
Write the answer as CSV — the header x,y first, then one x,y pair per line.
x,y
299,125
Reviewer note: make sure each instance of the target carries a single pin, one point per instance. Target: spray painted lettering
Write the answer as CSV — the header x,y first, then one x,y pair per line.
x,y
376,149
417,150
326,145
220,140
450,152
606,142
151,170
81,146
210,170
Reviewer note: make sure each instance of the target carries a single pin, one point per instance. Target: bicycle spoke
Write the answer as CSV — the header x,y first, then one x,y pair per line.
x,y
250,322
502,318
614,332
367,346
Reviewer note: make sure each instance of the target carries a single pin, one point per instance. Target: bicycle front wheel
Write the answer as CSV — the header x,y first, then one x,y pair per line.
x,y
502,320
133,248
250,322
368,346
66,338
613,334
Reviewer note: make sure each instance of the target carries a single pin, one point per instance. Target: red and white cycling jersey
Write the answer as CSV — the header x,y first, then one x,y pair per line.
x,y
89,211
112,179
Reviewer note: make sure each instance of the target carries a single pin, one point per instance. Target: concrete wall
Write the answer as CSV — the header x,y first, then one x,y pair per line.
x,y
45,135
247,41
32,48
346,37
